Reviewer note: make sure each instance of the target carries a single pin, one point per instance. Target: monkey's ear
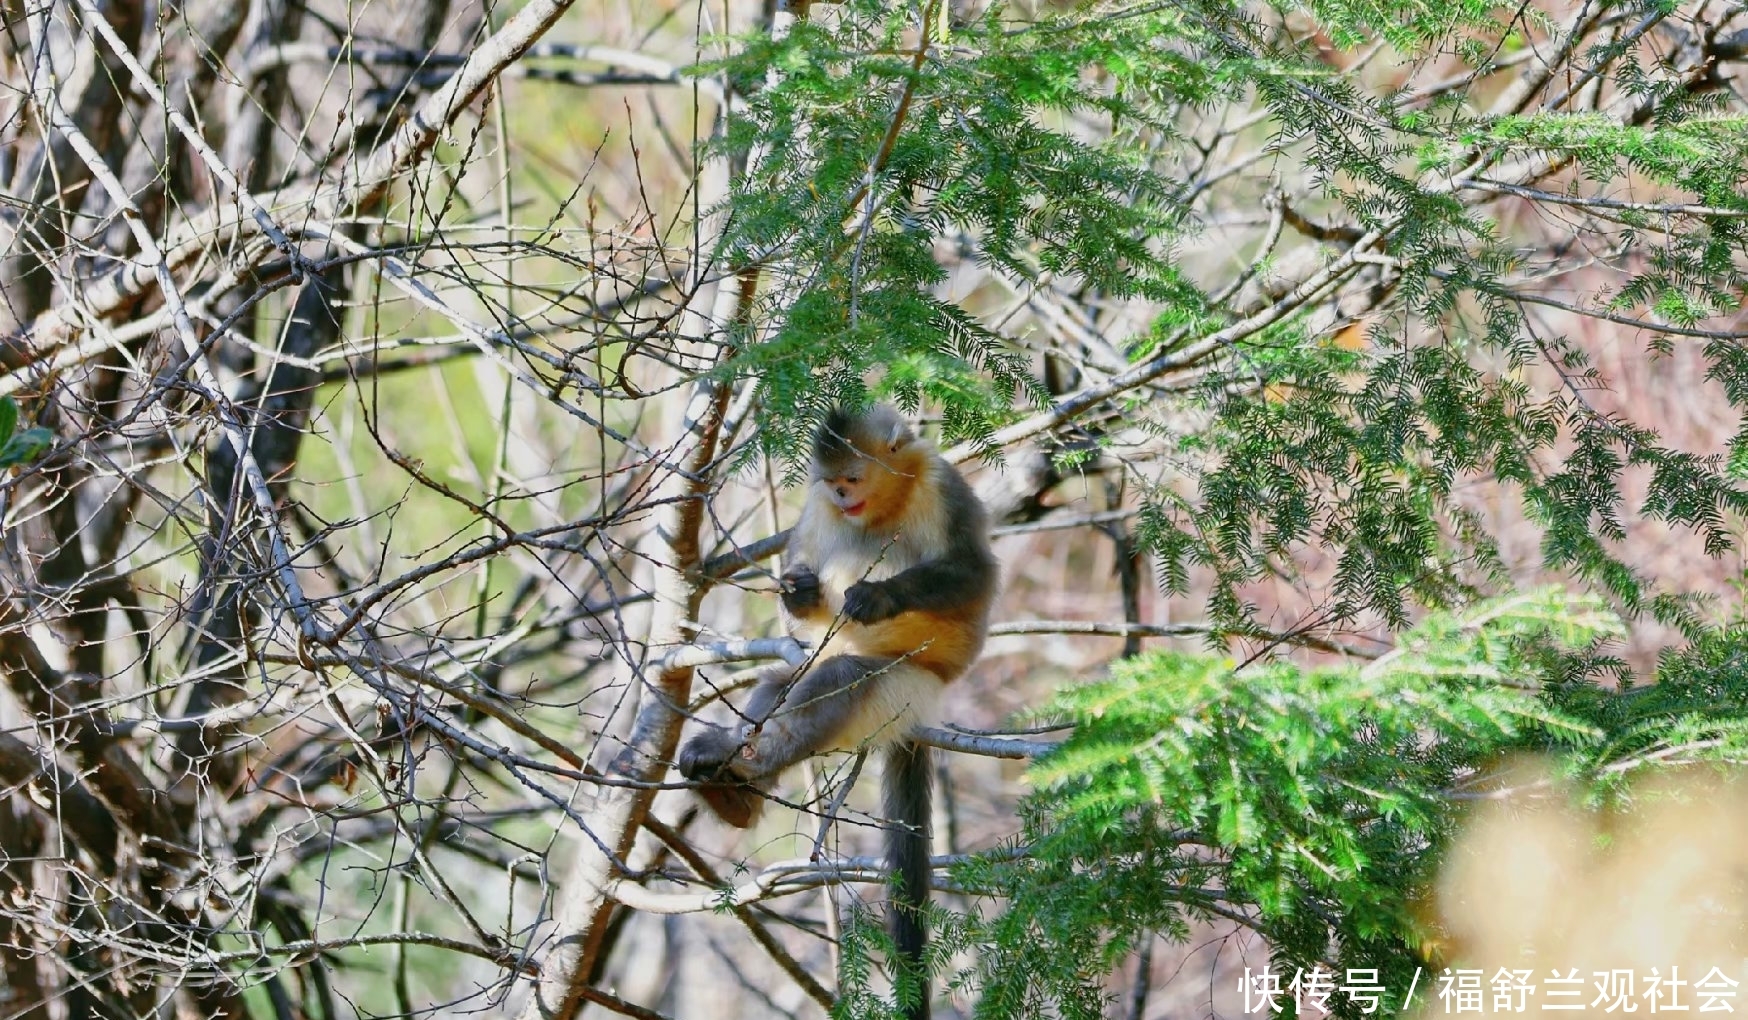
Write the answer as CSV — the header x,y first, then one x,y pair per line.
x,y
900,437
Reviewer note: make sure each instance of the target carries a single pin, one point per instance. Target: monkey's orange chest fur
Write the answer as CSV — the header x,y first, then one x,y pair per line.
x,y
844,557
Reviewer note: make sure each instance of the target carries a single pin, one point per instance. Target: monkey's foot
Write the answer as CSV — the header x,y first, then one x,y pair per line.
x,y
715,755
711,758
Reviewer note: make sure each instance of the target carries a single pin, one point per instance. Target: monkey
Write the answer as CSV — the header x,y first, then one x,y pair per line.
x,y
890,576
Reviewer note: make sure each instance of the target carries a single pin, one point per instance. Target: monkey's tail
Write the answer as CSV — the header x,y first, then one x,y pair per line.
x,y
909,779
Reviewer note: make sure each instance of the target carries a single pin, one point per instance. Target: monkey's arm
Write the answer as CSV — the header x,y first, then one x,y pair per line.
x,y
964,576
799,586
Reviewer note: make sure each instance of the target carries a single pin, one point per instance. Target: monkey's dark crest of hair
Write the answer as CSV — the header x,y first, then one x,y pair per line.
x,y
910,780
831,443
834,443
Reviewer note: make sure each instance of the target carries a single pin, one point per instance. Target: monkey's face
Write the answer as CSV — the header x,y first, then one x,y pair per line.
x,y
866,491
868,469
849,486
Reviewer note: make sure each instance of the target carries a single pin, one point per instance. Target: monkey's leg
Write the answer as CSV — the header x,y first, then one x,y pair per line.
x,y
715,756
789,719
835,705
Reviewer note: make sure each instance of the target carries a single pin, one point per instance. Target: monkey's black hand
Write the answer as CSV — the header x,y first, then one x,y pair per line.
x,y
800,589
869,602
711,754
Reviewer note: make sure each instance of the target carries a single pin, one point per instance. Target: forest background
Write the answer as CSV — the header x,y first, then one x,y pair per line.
x,y
402,403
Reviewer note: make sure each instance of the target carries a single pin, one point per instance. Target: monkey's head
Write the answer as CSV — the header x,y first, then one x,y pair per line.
x,y
868,464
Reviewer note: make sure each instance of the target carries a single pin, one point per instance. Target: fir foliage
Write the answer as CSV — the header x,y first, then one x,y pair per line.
x,y
863,158
1307,802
